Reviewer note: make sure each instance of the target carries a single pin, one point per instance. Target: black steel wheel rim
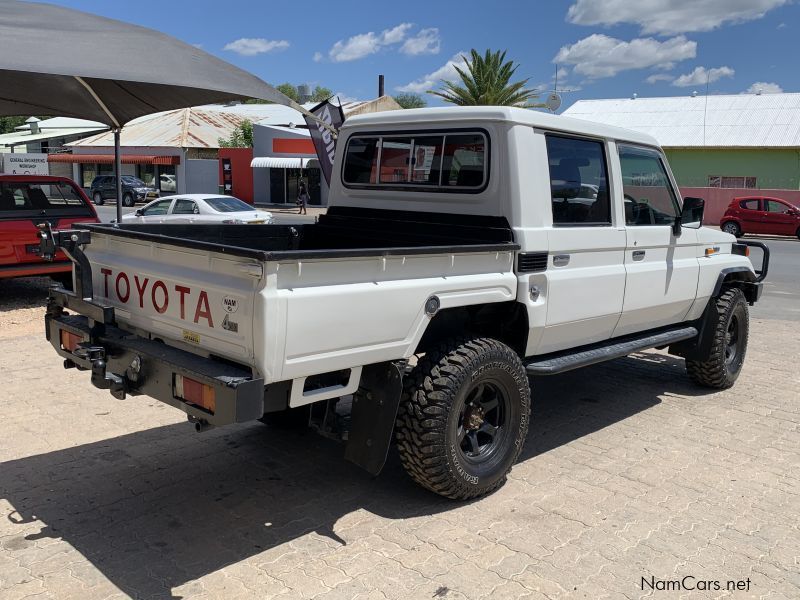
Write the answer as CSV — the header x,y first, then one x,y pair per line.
x,y
732,340
483,421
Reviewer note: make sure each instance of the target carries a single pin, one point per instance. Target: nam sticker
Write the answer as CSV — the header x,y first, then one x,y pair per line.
x,y
230,304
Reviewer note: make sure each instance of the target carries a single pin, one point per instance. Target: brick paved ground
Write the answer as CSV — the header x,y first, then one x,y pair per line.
x,y
629,472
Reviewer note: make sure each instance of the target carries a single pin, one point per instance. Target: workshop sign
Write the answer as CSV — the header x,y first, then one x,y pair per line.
x,y
25,164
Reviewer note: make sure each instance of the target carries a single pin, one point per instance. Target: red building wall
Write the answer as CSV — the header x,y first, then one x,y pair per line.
x,y
718,199
241,171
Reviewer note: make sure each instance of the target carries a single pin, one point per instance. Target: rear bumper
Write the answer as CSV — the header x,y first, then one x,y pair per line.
x,y
128,364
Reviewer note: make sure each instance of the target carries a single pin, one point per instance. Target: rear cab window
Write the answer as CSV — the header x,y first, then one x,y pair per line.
x,y
433,161
25,199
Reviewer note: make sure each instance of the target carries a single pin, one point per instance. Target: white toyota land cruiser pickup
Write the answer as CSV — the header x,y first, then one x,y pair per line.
x,y
463,250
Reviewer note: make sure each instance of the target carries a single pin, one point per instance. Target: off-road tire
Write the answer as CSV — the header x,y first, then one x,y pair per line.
x,y
127,200
719,369
732,228
97,198
431,416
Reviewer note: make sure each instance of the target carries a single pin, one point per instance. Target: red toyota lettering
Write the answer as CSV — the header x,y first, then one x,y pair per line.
x,y
182,290
162,308
202,302
140,288
106,273
120,277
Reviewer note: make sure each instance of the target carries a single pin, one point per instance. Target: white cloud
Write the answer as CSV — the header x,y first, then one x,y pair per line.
x,y
364,44
658,77
600,56
427,41
668,17
447,72
764,88
701,75
317,56
253,46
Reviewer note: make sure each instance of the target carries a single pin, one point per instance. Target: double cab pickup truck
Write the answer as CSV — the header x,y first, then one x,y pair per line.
x,y
463,251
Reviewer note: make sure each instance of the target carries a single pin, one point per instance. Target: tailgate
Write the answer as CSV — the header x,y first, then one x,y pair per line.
x,y
199,298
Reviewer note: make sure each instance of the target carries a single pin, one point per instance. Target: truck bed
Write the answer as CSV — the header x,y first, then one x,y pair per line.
x,y
343,232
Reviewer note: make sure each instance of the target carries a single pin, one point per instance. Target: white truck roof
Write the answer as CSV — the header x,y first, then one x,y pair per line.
x,y
506,114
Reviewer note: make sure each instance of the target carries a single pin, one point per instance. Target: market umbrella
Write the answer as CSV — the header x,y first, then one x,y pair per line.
x,y
60,61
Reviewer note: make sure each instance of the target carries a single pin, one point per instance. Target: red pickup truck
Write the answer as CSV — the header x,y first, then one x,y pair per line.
x,y
25,202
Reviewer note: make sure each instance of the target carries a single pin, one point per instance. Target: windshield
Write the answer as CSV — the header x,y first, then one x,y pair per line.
x,y
228,204
133,181
19,198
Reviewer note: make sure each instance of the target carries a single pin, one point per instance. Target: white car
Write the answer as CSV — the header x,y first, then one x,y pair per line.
x,y
199,208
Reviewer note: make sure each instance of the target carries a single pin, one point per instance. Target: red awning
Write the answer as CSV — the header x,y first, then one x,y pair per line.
x,y
128,159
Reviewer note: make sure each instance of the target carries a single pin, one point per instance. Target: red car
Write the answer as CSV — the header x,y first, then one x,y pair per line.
x,y
757,214
27,200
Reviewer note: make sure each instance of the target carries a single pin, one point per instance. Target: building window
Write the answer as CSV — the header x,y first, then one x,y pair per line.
x,y
167,181
88,173
720,181
147,173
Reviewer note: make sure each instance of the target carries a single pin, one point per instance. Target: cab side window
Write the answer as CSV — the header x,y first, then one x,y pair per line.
x,y
649,197
578,181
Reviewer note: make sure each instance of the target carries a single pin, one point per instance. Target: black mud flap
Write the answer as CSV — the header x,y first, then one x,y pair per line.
x,y
373,415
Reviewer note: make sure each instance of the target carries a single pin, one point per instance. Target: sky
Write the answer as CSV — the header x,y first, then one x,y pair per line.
x,y
600,48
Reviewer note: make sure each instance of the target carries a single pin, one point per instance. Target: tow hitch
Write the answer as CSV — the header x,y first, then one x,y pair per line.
x,y
101,379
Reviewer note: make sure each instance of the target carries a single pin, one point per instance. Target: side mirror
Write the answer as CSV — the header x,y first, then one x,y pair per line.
x,y
138,212
692,213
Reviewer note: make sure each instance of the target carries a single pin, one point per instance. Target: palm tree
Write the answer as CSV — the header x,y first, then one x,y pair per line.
x,y
486,82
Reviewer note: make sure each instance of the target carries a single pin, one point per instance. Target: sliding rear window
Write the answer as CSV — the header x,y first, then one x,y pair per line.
x,y
21,199
454,161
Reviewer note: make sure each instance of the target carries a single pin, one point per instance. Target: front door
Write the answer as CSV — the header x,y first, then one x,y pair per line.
x,y
585,271
778,218
662,270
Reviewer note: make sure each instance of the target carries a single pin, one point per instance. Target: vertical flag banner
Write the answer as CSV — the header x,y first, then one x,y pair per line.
x,y
324,142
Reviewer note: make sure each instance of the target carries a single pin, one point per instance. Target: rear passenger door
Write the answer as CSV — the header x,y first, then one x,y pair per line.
x,y
662,270
183,211
585,271
751,215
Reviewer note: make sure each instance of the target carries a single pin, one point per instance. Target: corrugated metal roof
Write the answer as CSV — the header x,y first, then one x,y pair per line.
x,y
182,128
733,121
61,123
25,137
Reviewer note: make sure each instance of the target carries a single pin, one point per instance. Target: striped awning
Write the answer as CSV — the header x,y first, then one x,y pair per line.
x,y
280,162
127,159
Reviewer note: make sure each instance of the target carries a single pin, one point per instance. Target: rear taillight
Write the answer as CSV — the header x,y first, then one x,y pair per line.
x,y
70,341
195,392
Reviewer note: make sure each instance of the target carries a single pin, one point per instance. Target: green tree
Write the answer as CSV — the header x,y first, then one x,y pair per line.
x,y
486,81
320,93
241,137
411,100
7,124
287,89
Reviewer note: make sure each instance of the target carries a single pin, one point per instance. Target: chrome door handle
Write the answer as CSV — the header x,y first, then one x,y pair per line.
x,y
560,260
638,254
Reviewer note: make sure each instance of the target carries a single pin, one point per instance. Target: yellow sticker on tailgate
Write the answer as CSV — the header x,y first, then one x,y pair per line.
x,y
191,337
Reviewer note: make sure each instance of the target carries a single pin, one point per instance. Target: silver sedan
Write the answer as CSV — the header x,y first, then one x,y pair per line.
x,y
199,208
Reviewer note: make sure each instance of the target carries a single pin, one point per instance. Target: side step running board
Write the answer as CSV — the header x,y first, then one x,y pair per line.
x,y
607,351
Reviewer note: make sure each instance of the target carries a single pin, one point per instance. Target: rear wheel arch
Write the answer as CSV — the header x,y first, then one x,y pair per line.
x,y
506,322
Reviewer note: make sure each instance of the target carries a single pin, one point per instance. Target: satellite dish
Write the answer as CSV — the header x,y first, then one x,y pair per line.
x,y
553,102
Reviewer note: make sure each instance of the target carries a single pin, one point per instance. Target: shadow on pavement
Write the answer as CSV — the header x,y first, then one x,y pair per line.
x,y
157,508
24,292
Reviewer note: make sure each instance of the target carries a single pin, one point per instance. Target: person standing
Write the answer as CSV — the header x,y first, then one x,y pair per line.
x,y
302,198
